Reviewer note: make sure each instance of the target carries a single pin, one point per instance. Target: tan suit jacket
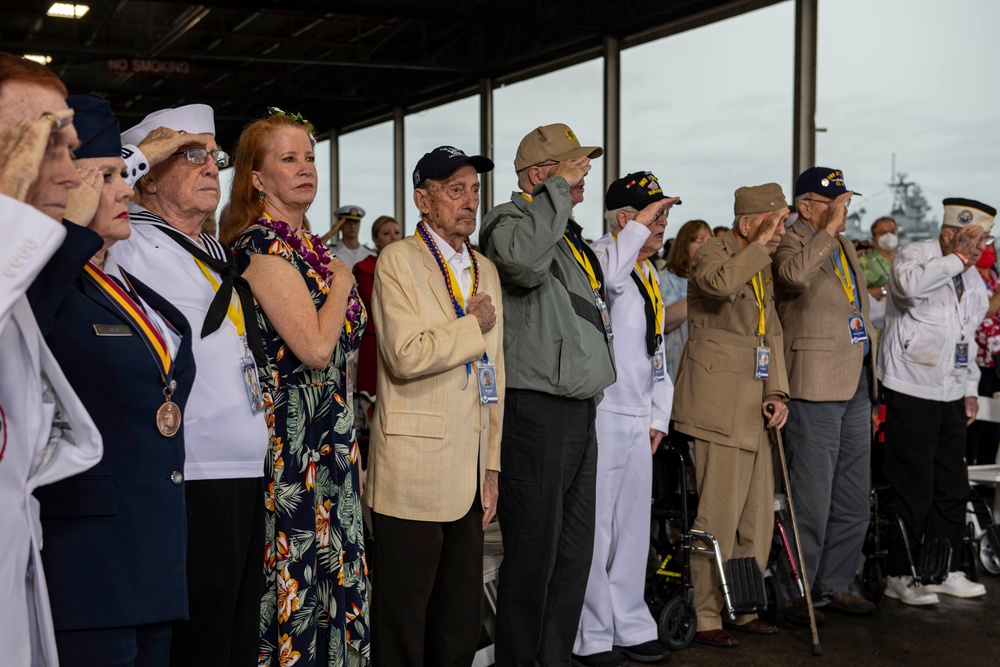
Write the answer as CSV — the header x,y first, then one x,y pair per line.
x,y
823,364
431,439
716,397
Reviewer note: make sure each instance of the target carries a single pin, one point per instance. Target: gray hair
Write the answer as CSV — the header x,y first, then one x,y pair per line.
x,y
611,217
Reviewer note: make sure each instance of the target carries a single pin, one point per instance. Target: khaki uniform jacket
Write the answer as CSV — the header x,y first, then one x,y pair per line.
x,y
822,363
431,439
716,397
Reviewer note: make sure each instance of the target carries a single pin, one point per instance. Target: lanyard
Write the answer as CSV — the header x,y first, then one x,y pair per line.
x,y
135,315
584,262
234,313
845,280
652,286
758,289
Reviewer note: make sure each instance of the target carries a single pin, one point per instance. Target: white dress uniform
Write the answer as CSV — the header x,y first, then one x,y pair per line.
x,y
223,438
351,256
614,611
45,435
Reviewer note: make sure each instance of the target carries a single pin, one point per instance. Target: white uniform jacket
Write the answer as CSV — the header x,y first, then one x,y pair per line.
x,y
223,439
634,391
45,435
924,322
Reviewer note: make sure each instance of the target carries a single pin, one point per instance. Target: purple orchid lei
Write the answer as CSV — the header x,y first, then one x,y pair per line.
x,y
316,257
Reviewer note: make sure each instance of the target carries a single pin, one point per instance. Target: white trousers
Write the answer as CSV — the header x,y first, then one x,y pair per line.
x,y
614,611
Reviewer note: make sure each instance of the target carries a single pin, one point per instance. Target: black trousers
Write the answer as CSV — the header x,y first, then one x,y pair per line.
x,y
225,565
427,590
925,464
546,507
137,646
984,437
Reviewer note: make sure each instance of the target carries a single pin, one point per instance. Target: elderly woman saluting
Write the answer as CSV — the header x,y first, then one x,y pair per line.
x,y
315,601
127,353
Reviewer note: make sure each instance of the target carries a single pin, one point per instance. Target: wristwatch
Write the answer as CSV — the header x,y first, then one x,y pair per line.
x,y
884,291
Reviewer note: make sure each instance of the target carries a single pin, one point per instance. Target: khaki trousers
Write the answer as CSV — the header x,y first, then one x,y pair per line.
x,y
736,506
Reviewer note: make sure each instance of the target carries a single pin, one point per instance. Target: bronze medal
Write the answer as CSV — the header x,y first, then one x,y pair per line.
x,y
168,419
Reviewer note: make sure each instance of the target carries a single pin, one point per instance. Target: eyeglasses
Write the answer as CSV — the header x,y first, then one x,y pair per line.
x,y
847,204
199,156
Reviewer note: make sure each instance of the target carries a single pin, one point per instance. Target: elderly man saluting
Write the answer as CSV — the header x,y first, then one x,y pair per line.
x,y
435,439
732,374
559,351
176,160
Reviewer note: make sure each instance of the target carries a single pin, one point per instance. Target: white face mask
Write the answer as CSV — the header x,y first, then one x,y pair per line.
x,y
888,242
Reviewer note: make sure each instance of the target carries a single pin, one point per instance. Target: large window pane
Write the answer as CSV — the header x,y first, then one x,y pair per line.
x,y
366,177
571,96
914,80
710,110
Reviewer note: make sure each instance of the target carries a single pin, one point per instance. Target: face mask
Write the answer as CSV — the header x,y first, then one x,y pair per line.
x,y
986,260
888,242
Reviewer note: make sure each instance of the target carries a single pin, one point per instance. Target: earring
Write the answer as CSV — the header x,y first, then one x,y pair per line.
x,y
260,195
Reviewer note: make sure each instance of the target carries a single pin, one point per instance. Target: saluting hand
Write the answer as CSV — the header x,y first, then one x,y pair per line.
x,y
84,198
163,142
481,307
573,170
768,228
651,213
22,149
966,242
835,215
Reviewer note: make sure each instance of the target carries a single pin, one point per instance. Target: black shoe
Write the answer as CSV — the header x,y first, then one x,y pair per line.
x,y
651,651
799,616
605,659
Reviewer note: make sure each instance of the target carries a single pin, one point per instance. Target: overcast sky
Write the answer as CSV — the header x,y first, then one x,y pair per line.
x,y
710,110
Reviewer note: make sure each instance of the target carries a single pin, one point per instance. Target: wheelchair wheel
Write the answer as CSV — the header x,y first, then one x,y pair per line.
x,y
988,558
873,579
678,623
775,601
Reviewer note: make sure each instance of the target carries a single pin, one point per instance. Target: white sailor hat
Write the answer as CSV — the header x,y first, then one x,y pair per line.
x,y
191,118
350,212
964,212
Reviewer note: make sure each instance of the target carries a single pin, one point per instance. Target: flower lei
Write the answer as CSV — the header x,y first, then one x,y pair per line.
x,y
297,117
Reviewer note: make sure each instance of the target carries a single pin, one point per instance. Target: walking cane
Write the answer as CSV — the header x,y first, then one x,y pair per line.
x,y
816,648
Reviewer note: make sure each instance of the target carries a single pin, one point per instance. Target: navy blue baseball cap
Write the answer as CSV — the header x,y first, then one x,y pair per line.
x,y
96,126
444,160
637,190
823,181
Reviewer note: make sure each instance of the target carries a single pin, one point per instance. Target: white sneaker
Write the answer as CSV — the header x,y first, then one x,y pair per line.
x,y
957,585
904,590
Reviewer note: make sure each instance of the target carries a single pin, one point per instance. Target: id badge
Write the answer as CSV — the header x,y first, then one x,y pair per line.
x,y
252,381
605,315
856,325
763,363
351,373
659,366
961,355
487,374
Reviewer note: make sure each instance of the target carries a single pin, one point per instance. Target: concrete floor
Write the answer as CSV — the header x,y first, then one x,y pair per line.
x,y
954,633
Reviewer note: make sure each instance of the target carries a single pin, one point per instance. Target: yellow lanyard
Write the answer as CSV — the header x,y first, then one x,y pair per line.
x,y
584,261
652,286
758,289
456,287
845,281
234,313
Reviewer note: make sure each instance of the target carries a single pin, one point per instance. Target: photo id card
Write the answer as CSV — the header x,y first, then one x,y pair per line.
x,y
605,315
763,363
487,374
961,355
856,325
254,393
659,366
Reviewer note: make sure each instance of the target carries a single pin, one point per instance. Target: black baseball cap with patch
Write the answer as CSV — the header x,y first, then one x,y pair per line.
x,y
637,190
823,181
444,160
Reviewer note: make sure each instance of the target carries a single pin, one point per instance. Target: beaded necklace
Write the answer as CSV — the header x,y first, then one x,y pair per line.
x,y
449,277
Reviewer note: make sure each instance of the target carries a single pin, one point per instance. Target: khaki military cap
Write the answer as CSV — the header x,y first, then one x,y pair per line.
x,y
554,142
759,199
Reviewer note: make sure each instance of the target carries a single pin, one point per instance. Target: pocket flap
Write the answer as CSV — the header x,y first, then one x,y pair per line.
x,y
415,424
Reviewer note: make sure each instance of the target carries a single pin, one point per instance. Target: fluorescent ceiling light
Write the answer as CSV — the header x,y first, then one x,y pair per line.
x,y
64,10
42,60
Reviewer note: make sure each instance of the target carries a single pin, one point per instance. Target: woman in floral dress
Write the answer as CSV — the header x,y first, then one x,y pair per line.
x,y
314,609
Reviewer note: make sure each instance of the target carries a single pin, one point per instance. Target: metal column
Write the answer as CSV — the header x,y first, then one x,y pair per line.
x,y
804,121
612,110
486,142
334,177
399,167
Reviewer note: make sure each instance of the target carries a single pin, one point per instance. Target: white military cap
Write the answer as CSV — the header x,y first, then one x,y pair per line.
x,y
350,211
963,212
191,118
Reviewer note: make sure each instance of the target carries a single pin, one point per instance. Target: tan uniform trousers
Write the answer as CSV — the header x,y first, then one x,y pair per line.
x,y
736,506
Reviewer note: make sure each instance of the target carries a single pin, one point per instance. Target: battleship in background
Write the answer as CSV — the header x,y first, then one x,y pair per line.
x,y
909,210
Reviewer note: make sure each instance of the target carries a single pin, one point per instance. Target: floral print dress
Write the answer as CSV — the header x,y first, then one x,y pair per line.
x,y
314,606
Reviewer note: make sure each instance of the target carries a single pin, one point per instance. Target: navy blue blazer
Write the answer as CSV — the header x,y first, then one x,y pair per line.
x,y
115,536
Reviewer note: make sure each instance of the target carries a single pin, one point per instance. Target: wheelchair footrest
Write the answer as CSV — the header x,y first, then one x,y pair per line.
x,y
745,584
935,561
